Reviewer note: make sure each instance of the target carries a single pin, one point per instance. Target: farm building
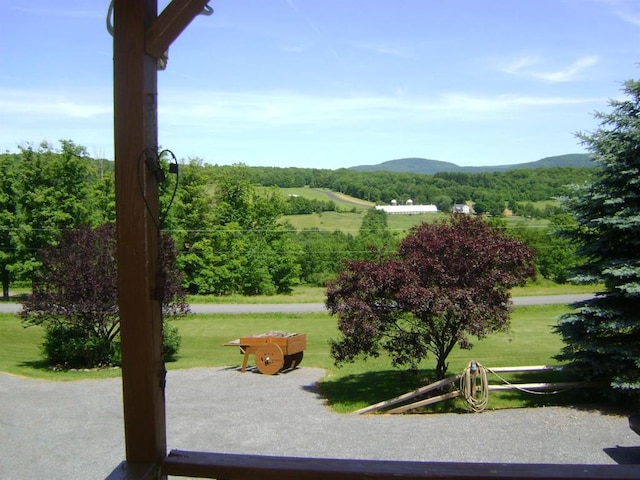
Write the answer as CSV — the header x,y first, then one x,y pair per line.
x,y
461,208
408,209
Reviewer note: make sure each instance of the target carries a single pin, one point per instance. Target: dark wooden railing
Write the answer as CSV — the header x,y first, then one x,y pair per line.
x,y
226,466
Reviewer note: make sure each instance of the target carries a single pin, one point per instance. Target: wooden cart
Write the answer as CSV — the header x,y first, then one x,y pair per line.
x,y
274,351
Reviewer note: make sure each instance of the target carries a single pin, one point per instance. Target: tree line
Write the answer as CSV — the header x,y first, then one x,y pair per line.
x,y
229,222
492,192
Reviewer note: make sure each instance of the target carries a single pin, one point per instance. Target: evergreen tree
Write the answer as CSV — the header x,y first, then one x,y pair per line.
x,y
602,335
373,237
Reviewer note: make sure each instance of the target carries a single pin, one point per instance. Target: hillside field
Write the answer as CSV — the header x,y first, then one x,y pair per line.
x,y
351,211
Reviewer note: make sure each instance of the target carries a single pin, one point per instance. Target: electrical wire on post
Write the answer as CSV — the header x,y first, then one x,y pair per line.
x,y
207,11
110,18
474,386
151,159
174,169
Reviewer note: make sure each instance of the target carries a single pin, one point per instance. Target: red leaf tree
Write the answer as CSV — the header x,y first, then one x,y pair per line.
x,y
447,281
75,299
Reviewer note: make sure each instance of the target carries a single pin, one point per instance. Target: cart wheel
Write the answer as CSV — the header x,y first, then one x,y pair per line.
x,y
292,361
269,358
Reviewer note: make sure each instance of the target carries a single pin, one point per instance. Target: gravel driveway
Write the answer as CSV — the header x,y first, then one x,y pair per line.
x,y
74,430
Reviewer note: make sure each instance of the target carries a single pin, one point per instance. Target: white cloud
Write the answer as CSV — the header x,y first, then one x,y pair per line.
x,y
630,17
627,10
517,65
383,49
297,48
51,104
526,66
247,110
569,73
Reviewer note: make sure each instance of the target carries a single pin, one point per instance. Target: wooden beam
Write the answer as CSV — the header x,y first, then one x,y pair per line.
x,y
407,396
255,467
531,368
536,387
425,402
170,23
136,132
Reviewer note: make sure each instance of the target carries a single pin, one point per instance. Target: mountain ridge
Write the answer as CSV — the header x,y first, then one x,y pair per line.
x,y
430,167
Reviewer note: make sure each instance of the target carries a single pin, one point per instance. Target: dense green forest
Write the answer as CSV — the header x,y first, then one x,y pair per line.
x,y
229,223
492,192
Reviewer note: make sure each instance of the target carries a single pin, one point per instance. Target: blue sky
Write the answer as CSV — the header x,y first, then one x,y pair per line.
x,y
332,83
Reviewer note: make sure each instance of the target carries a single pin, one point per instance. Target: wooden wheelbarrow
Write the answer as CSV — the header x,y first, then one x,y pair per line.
x,y
274,351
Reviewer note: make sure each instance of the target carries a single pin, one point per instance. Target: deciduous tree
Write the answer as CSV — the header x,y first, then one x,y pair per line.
x,y
54,192
245,249
8,220
75,298
446,282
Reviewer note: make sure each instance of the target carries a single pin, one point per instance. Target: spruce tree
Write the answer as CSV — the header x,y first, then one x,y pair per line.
x,y
602,335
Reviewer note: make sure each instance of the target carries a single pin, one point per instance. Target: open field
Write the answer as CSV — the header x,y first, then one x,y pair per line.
x,y
349,221
530,341
346,222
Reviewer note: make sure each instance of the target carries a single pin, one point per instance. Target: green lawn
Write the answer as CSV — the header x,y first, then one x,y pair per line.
x,y
529,342
300,294
349,222
327,221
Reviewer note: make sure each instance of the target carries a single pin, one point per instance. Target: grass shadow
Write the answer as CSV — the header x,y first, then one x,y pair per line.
x,y
14,298
39,365
581,398
352,392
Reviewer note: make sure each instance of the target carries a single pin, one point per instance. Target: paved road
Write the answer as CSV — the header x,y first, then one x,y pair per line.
x,y
319,307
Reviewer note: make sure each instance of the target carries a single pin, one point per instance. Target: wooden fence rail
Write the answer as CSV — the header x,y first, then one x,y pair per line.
x,y
256,467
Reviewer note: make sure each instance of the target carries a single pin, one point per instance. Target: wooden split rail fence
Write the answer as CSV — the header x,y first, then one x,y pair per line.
x,y
533,387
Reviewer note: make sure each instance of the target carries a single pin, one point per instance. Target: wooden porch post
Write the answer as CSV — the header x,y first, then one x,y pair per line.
x,y
136,132
139,38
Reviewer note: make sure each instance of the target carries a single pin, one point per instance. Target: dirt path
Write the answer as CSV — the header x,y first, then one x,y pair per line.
x,y
341,197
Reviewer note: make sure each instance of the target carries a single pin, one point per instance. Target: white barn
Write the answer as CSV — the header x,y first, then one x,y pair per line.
x,y
408,209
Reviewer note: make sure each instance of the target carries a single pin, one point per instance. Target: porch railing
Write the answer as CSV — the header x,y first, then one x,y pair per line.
x,y
225,466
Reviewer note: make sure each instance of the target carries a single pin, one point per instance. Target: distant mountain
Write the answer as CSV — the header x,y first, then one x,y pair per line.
x,y
430,167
